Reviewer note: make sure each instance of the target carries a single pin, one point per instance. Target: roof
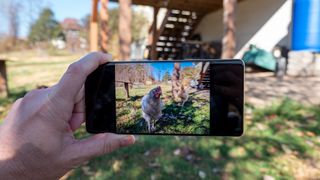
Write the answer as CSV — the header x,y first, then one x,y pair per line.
x,y
70,24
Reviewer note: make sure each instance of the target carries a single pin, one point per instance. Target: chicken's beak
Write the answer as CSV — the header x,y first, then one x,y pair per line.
x,y
158,94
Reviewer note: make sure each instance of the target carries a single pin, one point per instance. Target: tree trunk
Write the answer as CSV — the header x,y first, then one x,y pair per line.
x,y
176,82
104,25
125,29
229,38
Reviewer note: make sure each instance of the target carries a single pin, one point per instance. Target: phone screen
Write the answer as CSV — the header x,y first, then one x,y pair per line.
x,y
172,98
167,98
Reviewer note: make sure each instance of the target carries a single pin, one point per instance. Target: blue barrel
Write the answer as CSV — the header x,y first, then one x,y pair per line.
x,y
306,25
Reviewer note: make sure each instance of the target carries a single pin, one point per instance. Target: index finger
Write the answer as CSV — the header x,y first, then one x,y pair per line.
x,y
76,74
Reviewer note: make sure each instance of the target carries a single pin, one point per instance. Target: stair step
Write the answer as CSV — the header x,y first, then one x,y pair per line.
x,y
179,26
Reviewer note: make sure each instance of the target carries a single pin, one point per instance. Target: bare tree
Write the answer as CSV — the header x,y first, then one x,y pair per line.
x,y
18,13
14,21
128,75
31,10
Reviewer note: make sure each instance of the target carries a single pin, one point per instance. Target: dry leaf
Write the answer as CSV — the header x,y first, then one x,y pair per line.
x,y
268,177
116,166
202,174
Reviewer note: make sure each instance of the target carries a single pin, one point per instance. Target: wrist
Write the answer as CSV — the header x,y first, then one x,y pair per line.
x,y
10,167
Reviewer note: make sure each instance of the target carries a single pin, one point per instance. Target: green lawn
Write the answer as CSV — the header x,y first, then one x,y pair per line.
x,y
26,72
192,118
282,140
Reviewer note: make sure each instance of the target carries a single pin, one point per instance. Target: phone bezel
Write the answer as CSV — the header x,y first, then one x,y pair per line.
x,y
213,61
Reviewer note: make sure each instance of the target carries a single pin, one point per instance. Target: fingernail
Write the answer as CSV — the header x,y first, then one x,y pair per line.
x,y
128,140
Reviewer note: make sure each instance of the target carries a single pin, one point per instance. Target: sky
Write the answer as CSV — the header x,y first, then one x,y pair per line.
x,y
61,8
72,8
164,67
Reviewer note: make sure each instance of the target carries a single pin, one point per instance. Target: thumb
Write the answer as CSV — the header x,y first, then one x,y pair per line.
x,y
76,74
97,145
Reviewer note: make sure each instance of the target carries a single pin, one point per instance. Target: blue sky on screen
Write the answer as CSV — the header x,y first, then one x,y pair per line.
x,y
159,69
62,9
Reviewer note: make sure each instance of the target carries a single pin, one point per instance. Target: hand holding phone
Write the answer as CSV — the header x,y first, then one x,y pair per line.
x,y
186,97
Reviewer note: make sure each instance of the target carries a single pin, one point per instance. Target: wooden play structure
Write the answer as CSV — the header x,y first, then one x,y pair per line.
x,y
176,29
178,26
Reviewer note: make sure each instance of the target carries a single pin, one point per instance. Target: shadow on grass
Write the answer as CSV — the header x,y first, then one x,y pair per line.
x,y
175,118
132,98
178,119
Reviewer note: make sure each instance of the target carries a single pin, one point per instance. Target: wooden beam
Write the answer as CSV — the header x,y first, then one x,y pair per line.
x,y
154,34
104,17
94,26
229,38
125,17
4,90
204,6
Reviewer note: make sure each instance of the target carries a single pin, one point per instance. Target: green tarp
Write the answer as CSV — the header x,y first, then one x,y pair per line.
x,y
260,57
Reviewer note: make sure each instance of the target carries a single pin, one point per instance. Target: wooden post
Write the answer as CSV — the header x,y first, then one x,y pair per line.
x,y
154,38
104,16
176,82
229,38
94,26
126,87
4,91
125,29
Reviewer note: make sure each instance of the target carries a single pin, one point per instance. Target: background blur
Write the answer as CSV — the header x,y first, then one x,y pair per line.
x,y
279,40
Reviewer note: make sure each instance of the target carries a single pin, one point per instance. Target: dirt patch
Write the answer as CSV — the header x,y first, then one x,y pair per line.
x,y
262,89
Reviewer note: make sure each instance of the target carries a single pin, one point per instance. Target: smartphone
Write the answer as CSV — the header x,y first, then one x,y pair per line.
x,y
180,97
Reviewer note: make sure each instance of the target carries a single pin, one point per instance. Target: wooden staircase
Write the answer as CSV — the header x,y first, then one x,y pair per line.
x,y
177,27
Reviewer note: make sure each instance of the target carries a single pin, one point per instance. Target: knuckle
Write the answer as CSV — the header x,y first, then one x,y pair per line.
x,y
109,147
99,55
18,101
75,68
96,53
30,95
106,148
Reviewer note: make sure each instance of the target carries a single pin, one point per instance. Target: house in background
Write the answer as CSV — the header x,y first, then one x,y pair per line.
x,y
262,23
73,40
265,24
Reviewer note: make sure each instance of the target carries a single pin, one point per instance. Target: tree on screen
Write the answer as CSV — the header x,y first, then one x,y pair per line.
x,y
166,77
